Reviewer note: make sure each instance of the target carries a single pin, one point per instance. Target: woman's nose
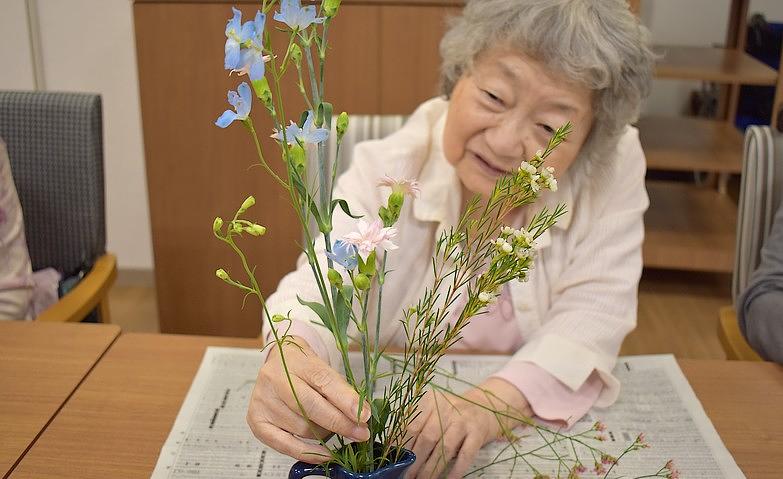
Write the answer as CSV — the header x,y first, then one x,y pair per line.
x,y
507,141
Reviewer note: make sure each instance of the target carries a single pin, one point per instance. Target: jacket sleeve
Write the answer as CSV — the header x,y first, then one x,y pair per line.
x,y
593,302
759,306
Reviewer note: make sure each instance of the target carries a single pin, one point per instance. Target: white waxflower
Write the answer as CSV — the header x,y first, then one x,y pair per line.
x,y
507,248
485,297
523,253
534,183
550,183
547,172
527,168
507,230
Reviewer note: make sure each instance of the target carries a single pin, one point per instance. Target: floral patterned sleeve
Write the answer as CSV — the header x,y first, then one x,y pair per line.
x,y
16,280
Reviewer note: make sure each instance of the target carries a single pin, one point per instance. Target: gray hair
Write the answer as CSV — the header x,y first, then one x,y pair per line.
x,y
596,43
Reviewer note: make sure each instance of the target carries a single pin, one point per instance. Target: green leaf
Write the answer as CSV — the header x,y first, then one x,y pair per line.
x,y
318,309
343,311
344,206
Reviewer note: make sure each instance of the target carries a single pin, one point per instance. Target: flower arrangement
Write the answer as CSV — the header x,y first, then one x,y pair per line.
x,y
474,258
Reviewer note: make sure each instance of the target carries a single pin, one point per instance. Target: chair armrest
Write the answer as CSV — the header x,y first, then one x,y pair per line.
x,y
87,295
731,338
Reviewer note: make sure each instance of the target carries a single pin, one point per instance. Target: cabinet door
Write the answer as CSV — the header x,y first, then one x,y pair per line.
x,y
410,64
197,171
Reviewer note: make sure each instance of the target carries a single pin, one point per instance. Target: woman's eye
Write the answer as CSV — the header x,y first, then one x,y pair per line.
x,y
547,128
493,97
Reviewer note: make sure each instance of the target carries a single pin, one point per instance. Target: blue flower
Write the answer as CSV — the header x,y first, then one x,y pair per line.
x,y
344,254
307,134
292,14
236,35
241,102
245,46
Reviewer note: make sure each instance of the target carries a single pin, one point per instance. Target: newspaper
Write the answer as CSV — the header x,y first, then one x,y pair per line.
x,y
210,437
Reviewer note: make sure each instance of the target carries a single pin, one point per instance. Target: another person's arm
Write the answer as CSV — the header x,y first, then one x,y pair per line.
x,y
16,285
759,308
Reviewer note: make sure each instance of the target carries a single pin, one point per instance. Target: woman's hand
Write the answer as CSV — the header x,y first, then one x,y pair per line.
x,y
452,427
328,401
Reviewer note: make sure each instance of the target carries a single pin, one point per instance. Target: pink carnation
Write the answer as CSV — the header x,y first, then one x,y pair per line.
x,y
371,236
405,186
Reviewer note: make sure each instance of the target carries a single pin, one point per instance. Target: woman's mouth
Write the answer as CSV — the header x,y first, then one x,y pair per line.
x,y
488,168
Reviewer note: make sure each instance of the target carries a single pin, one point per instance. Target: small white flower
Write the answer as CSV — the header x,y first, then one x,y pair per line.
x,y
507,248
527,168
500,242
539,154
507,230
547,172
523,253
485,297
534,183
550,183
524,237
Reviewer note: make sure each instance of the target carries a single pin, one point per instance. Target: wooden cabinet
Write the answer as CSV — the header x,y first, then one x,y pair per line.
x,y
196,171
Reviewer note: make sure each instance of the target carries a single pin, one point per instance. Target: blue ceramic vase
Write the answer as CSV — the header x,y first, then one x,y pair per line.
x,y
391,471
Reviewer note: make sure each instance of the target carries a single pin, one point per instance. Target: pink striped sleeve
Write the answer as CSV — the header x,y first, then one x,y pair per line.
x,y
549,398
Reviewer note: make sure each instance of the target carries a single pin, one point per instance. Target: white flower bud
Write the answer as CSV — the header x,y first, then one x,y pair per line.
x,y
507,248
485,297
527,168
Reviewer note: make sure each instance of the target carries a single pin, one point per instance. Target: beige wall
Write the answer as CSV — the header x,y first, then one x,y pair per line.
x,y
88,45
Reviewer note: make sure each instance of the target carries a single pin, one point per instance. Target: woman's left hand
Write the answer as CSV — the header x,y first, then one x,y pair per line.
x,y
457,427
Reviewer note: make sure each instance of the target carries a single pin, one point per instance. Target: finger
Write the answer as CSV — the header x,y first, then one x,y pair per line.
x,y
331,385
323,413
467,453
285,443
425,443
291,421
444,451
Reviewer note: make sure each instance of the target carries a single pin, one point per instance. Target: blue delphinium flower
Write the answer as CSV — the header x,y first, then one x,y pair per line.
x,y
236,35
244,45
344,254
307,134
241,101
295,16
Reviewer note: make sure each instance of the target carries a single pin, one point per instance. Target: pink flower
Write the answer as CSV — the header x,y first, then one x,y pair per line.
x,y
599,426
673,472
372,236
405,186
607,459
599,468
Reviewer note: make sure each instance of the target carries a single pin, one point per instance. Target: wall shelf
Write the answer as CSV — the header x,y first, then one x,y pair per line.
x,y
720,65
689,228
691,144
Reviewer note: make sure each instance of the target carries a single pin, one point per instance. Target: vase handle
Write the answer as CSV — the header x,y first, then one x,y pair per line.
x,y
301,470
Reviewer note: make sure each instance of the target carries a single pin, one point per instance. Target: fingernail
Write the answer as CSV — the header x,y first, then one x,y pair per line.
x,y
360,433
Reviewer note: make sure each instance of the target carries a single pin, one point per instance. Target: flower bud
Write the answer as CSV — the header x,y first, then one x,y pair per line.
x,y
295,53
250,201
330,7
342,125
361,281
261,87
485,297
217,225
256,230
221,273
276,318
335,277
298,159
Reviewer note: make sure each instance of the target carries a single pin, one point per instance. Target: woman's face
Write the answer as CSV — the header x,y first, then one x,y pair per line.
x,y
504,110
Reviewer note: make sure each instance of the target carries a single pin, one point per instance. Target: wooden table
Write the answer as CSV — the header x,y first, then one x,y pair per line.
x,y
116,423
41,364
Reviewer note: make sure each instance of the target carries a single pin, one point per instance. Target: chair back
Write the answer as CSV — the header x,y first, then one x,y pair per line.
x,y
361,128
761,190
55,144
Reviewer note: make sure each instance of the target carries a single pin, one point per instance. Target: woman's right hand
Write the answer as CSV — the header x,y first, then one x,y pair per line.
x,y
328,401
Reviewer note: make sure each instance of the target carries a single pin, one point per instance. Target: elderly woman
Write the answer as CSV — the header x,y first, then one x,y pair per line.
x,y
513,71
